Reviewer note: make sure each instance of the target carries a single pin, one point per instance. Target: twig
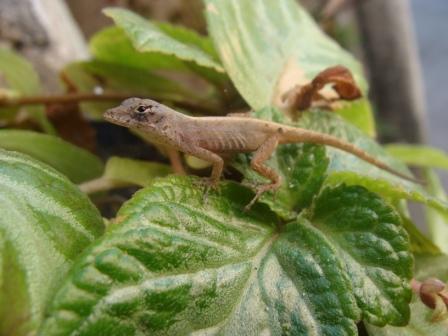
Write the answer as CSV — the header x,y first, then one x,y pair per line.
x,y
59,99
8,101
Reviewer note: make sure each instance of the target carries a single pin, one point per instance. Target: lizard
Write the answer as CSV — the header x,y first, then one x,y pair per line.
x,y
209,138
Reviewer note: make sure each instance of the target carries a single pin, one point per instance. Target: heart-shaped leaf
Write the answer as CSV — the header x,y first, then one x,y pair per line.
x,y
55,152
45,222
177,264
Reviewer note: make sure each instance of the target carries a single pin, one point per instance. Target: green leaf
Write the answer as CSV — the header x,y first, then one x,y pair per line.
x,y
302,168
45,222
420,323
176,265
87,76
436,219
374,247
351,170
77,164
147,37
112,45
417,155
420,244
359,113
190,37
121,172
134,171
262,41
20,76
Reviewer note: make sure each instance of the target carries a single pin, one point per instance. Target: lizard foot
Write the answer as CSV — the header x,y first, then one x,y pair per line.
x,y
260,190
208,184
251,184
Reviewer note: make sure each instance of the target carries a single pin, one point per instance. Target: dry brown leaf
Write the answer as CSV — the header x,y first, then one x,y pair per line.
x,y
302,97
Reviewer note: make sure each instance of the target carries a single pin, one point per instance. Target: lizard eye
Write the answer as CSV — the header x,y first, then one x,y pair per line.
x,y
141,109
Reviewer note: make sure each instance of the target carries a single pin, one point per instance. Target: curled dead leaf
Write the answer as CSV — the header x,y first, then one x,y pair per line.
x,y
302,97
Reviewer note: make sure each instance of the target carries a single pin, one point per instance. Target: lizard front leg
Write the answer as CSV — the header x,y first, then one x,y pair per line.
x,y
216,161
262,154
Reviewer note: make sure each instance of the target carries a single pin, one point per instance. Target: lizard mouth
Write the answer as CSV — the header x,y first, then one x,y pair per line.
x,y
113,116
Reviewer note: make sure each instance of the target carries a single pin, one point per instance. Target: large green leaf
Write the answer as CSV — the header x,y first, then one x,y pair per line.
x,y
45,222
418,155
20,76
259,41
75,163
420,323
148,37
177,264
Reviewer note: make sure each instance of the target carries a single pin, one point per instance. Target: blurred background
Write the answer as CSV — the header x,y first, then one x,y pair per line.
x,y
402,43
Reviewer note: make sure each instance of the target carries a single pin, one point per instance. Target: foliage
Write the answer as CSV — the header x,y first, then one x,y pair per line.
x,y
45,223
334,247
21,80
175,264
55,152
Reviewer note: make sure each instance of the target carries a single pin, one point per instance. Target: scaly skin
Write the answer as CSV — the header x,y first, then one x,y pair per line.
x,y
208,138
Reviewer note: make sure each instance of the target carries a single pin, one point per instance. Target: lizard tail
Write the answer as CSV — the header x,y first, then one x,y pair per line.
x,y
295,135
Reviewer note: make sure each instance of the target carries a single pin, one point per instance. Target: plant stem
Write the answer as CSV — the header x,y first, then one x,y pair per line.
x,y
7,101
60,99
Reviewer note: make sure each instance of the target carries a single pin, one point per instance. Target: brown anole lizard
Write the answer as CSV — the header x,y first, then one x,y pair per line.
x,y
208,138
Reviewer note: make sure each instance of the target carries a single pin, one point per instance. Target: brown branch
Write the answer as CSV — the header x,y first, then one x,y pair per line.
x,y
60,99
79,97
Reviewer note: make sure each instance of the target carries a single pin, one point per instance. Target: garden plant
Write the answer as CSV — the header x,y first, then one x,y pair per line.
x,y
334,251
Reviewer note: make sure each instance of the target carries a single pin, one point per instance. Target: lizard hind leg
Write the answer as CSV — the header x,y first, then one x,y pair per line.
x,y
262,154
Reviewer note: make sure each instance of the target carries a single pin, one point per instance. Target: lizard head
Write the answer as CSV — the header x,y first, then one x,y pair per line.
x,y
137,113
